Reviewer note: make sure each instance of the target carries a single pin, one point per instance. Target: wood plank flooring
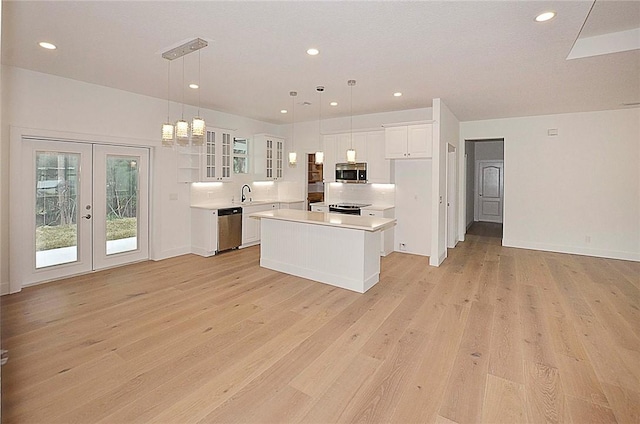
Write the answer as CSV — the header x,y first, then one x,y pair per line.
x,y
494,335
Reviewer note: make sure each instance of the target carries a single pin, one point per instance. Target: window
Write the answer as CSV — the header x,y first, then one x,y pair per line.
x,y
240,156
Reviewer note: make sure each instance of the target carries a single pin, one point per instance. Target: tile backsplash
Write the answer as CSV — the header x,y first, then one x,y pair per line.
x,y
376,194
231,191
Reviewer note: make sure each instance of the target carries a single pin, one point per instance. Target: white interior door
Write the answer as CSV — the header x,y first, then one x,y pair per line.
x,y
85,208
490,192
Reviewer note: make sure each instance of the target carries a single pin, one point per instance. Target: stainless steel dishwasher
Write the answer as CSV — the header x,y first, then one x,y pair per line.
x,y
229,228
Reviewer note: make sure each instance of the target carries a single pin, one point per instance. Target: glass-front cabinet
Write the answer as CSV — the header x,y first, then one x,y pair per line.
x,y
217,156
268,156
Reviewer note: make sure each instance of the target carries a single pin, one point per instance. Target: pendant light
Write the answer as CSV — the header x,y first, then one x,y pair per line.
x,y
293,157
319,154
167,127
351,153
182,126
180,133
198,126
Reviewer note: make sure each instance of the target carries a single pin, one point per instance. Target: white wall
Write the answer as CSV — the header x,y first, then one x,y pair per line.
x,y
470,183
577,192
446,130
46,102
489,150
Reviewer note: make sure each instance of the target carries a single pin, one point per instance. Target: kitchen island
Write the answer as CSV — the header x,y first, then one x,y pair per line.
x,y
341,250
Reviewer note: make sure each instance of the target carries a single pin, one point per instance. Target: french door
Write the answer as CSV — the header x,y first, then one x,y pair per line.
x,y
86,208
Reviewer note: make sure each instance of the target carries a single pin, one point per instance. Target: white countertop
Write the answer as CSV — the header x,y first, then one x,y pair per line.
x,y
218,204
355,222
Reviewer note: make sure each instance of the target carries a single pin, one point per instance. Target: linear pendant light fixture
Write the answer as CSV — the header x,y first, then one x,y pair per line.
x,y
182,126
182,135
167,127
351,153
293,157
319,154
198,126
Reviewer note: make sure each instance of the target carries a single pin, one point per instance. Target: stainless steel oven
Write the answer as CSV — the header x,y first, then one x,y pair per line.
x,y
351,172
347,208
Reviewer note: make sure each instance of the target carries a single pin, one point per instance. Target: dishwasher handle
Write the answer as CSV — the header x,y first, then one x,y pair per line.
x,y
229,211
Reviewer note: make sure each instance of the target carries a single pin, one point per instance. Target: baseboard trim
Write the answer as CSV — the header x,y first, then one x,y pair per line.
x,y
574,250
172,253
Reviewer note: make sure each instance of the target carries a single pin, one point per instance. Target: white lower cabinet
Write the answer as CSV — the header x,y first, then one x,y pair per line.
x,y
204,231
386,238
251,226
292,205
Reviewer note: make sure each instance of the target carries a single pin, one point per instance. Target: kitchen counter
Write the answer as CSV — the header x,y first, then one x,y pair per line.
x,y
336,249
354,222
218,204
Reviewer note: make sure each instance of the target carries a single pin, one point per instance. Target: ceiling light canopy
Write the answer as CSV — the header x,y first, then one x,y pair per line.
x,y
283,111
194,86
545,16
397,94
333,104
313,52
47,45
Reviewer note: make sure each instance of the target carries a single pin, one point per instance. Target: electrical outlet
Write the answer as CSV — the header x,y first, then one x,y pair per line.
x,y
403,247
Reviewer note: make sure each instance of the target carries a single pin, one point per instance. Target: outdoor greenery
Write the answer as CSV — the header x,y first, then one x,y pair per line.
x,y
57,236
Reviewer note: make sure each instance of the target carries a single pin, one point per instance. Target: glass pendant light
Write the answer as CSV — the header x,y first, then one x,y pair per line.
x,y
351,153
182,126
167,127
319,156
293,157
198,126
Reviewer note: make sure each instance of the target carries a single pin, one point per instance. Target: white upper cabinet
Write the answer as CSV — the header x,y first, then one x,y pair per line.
x,y
408,141
369,147
378,167
268,156
216,157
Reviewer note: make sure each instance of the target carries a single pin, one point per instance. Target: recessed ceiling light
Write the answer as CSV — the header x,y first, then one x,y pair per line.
x,y
47,46
313,52
194,86
397,94
334,103
283,111
543,17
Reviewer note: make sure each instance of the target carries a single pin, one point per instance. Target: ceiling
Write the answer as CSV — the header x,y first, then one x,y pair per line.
x,y
484,59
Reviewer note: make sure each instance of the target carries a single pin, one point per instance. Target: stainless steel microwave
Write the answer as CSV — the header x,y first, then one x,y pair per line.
x,y
351,172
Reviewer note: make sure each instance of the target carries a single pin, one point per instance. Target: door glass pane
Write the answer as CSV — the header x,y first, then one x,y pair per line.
x,y
56,208
122,204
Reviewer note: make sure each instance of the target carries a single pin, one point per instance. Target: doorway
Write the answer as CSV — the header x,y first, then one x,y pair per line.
x,y
485,179
85,207
315,184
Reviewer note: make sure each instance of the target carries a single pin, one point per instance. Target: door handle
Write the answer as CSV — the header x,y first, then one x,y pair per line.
x,y
87,216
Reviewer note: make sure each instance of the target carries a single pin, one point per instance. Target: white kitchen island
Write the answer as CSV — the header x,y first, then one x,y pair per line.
x,y
341,250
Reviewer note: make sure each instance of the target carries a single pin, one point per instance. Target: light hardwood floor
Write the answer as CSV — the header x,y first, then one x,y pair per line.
x,y
493,335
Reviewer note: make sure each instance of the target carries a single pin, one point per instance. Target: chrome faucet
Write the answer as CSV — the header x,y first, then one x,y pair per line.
x,y
242,191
